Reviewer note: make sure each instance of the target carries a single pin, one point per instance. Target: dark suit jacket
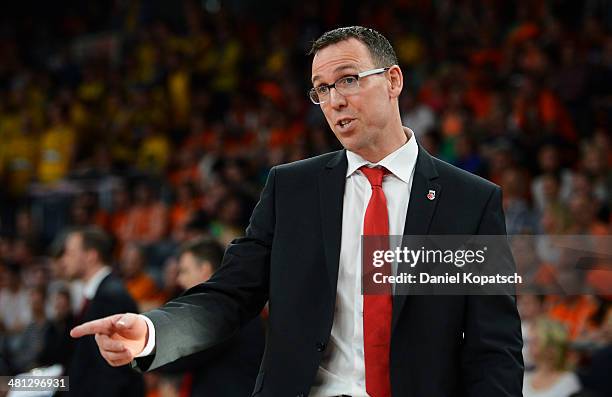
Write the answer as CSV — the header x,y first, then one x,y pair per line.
x,y
227,370
234,369
90,375
290,256
58,343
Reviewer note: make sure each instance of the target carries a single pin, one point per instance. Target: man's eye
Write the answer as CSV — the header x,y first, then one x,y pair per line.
x,y
322,90
348,80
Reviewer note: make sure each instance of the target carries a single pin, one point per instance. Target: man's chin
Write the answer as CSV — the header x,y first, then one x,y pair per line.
x,y
353,145
348,141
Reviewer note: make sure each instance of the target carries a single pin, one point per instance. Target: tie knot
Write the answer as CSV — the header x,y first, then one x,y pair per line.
x,y
374,175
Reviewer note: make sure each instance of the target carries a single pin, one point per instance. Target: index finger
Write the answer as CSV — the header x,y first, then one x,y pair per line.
x,y
101,326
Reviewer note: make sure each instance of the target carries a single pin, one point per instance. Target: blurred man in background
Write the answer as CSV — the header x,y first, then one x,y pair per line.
x,y
86,256
139,284
231,370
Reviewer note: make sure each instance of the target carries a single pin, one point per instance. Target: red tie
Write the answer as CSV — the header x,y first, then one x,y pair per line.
x,y
377,308
81,314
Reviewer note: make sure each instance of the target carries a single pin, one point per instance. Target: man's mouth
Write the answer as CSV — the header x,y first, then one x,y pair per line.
x,y
344,123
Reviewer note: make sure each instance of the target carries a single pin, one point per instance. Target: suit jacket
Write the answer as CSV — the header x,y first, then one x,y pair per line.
x,y
227,370
90,375
441,346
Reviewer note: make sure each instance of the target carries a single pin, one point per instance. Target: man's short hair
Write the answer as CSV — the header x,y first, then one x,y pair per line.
x,y
96,239
56,248
383,54
204,249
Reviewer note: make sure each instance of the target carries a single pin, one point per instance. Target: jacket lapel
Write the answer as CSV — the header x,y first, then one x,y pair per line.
x,y
332,180
421,208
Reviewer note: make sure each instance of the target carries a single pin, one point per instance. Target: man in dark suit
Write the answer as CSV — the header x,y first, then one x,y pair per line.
x,y
232,368
85,257
301,253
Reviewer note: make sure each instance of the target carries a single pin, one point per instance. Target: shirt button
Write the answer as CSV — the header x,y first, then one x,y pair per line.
x,y
320,346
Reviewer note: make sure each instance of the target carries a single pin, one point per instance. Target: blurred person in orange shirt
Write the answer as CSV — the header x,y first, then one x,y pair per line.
x,y
147,218
138,283
572,308
583,213
574,311
538,110
455,115
187,168
186,205
120,209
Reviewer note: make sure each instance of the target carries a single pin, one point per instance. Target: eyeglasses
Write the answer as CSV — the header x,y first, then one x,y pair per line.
x,y
347,85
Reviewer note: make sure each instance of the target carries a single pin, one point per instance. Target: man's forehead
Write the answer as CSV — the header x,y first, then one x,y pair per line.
x,y
344,55
73,239
187,258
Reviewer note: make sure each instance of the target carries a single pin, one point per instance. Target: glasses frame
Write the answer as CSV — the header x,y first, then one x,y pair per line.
x,y
358,76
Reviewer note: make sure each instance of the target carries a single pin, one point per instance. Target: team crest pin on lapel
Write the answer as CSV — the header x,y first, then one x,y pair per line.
x,y
431,195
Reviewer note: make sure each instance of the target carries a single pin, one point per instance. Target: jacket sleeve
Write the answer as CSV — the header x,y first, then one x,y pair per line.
x,y
210,313
492,362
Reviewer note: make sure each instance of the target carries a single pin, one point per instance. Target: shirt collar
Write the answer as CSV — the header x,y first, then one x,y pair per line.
x,y
91,286
400,163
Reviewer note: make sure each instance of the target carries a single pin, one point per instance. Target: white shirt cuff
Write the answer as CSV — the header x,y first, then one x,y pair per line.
x,y
148,349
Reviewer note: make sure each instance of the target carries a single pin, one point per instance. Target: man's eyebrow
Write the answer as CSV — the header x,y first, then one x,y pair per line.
x,y
336,70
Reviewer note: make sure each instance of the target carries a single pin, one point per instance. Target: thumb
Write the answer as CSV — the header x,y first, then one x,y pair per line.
x,y
126,321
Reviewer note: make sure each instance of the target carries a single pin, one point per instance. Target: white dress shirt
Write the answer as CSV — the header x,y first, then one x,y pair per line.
x,y
342,369
91,286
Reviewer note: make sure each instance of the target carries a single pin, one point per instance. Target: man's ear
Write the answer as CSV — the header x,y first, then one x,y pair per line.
x,y
396,81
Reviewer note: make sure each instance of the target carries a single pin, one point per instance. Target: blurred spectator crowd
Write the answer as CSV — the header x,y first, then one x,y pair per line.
x,y
159,121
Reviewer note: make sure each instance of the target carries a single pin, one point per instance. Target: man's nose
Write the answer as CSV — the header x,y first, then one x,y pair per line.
x,y
336,99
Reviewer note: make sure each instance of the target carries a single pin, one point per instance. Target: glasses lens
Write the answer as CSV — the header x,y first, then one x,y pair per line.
x,y
314,97
348,85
